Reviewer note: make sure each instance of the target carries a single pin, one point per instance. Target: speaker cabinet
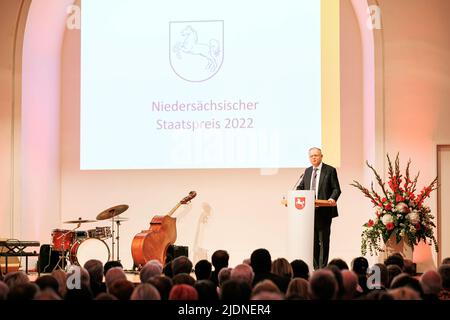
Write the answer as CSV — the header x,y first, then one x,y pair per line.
x,y
174,251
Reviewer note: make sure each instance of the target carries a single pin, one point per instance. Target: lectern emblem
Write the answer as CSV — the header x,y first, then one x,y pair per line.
x,y
300,202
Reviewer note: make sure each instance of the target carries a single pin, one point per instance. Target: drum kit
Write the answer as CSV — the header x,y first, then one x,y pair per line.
x,y
78,246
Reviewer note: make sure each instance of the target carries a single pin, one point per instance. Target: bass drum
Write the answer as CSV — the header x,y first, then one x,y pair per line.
x,y
87,249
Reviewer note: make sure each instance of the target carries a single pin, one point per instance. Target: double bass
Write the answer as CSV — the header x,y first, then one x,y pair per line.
x,y
153,243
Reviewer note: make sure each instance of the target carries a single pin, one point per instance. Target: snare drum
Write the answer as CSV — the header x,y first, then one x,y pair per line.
x,y
62,239
100,233
87,249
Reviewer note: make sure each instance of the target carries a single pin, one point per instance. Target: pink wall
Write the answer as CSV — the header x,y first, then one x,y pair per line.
x,y
368,87
40,157
11,40
417,82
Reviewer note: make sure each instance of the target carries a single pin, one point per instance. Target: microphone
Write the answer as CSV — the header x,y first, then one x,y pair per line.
x,y
298,181
284,201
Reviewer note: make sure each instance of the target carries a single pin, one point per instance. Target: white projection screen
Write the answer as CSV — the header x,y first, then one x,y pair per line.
x,y
182,84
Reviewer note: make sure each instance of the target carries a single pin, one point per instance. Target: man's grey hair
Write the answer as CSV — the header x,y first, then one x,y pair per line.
x,y
315,148
243,272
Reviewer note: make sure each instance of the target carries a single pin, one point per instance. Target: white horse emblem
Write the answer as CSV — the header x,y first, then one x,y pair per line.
x,y
196,54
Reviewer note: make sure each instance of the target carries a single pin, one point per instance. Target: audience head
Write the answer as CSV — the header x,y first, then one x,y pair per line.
x,y
183,292
393,271
47,294
145,291
61,277
110,265
13,279
105,296
404,280
183,278
219,259
323,285
3,291
167,270
47,282
207,290
341,264
282,268
121,289
396,259
156,262
243,272
409,267
224,275
181,264
265,286
203,270
404,293
444,272
235,290
82,294
431,282
297,289
360,265
95,269
300,269
114,274
261,261
350,284
149,270
267,295
163,284
446,261
338,276
378,295
85,278
23,292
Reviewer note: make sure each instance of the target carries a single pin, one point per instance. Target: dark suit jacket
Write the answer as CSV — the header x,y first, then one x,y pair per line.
x,y
328,188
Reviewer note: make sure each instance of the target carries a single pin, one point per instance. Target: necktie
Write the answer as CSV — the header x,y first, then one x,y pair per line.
x,y
313,183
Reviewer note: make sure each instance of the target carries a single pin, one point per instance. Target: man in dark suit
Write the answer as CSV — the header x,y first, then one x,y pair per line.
x,y
323,179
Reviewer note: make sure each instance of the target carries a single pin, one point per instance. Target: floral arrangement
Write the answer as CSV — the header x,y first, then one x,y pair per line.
x,y
399,210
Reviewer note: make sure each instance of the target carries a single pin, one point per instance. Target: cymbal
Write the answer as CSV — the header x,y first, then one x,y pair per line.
x,y
80,221
112,212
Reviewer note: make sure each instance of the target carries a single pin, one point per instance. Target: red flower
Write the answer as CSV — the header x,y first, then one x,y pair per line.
x,y
389,226
399,198
388,207
417,226
383,200
370,223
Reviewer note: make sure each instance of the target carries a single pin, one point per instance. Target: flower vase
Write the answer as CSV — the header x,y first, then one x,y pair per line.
x,y
402,247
